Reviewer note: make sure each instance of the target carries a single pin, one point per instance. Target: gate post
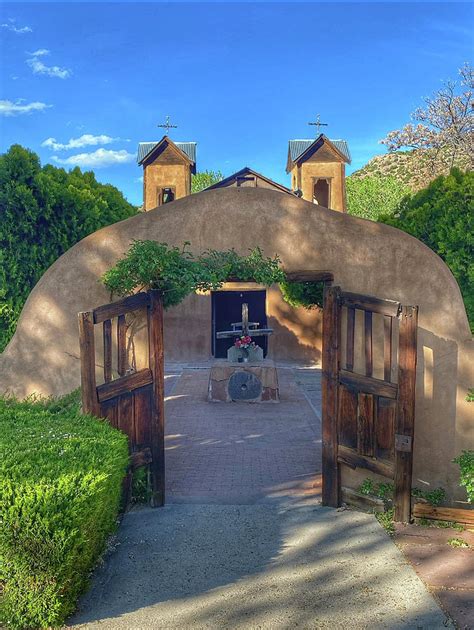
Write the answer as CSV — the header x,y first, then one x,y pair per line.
x,y
405,421
330,365
156,364
90,402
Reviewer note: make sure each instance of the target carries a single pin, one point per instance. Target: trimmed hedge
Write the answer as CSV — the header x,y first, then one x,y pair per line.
x,y
60,489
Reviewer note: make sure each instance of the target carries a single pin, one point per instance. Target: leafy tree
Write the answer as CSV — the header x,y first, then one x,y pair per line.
x,y
202,180
373,196
43,212
442,216
445,124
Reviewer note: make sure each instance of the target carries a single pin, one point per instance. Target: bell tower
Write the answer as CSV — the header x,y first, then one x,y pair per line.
x,y
167,169
318,169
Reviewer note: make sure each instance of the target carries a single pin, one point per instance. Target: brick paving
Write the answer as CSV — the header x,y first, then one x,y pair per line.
x,y
242,452
448,572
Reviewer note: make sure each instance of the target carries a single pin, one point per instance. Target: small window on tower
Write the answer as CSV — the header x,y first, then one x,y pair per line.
x,y
166,195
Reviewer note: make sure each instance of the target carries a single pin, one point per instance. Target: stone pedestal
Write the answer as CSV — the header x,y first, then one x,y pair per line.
x,y
254,382
255,354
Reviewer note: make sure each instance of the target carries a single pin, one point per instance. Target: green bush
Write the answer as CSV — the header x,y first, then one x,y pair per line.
x,y
374,195
43,212
466,465
177,273
442,216
60,488
306,294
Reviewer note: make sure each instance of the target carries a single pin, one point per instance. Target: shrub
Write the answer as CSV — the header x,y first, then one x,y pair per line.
x,y
466,465
306,294
177,273
60,488
374,195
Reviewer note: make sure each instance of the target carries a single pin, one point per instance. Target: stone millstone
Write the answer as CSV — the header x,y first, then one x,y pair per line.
x,y
244,386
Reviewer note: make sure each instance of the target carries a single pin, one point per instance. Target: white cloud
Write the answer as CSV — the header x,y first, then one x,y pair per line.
x,y
19,30
138,180
39,67
97,159
86,140
8,108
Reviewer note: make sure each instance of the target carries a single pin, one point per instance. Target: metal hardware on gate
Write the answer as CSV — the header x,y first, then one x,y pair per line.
x,y
403,443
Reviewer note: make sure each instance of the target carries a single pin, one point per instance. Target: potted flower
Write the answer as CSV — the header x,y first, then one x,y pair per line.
x,y
244,343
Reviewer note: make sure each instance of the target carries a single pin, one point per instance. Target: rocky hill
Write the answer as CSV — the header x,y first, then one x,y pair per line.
x,y
413,168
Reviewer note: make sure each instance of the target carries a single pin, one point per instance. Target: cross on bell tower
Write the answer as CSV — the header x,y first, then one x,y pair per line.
x,y
318,123
167,125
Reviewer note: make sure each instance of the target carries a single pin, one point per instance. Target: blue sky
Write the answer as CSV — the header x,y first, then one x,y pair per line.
x,y
83,83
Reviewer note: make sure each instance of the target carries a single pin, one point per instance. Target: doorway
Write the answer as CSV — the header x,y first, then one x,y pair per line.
x,y
227,309
322,192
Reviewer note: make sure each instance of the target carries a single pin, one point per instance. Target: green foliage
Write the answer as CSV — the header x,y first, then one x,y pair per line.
x,y
458,543
203,180
306,294
442,216
60,487
434,497
386,520
141,488
176,272
381,490
373,196
43,212
470,395
466,465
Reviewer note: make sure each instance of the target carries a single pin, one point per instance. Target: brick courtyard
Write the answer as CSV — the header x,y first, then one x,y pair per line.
x,y
241,452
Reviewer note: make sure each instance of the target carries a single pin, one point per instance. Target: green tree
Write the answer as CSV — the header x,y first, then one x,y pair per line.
x,y
200,181
442,216
373,196
43,212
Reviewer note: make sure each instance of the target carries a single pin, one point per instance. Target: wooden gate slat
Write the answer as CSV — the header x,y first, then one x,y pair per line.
x,y
368,342
347,429
365,425
125,415
330,360
385,428
387,348
121,345
405,411
142,401
350,338
107,336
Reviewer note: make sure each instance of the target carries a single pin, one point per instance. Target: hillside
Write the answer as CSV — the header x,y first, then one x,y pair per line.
x,y
414,169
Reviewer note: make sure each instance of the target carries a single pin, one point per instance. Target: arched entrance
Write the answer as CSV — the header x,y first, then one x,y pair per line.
x,y
322,192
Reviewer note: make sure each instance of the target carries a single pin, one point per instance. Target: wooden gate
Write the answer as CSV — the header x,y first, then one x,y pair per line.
x,y
134,401
368,422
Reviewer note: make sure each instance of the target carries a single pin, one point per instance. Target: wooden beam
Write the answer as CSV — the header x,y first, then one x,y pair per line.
x,y
387,348
124,385
121,307
457,515
156,364
354,460
405,421
309,276
368,384
90,403
330,365
369,303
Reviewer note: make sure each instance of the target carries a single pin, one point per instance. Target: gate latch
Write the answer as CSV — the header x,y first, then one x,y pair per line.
x,y
403,443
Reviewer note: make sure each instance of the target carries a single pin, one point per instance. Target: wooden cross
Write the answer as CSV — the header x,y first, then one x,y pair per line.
x,y
167,125
318,123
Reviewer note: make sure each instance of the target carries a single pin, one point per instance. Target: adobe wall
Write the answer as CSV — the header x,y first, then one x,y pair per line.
x,y
156,176
365,257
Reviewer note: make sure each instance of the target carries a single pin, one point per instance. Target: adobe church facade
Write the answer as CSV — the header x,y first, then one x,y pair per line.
x,y
316,167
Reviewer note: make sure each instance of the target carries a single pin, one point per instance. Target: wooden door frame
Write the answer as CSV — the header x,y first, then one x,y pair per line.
x,y
405,413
